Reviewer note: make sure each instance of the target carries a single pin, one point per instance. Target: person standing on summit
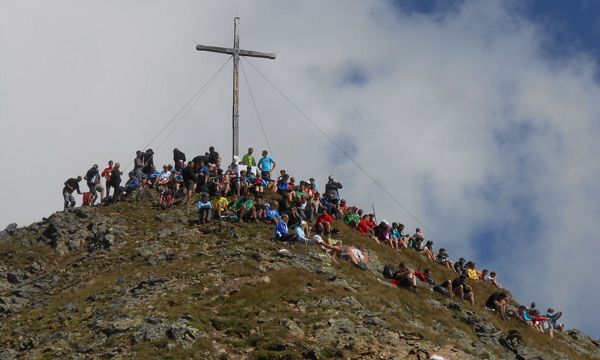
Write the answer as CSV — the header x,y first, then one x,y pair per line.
x,y
92,178
248,159
71,185
213,156
332,188
178,155
138,164
266,165
106,174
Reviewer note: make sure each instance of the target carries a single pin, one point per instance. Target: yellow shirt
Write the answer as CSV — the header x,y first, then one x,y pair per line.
x,y
472,274
220,203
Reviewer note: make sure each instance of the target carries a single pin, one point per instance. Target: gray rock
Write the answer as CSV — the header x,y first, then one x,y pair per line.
x,y
513,341
11,228
13,278
8,354
27,344
35,267
183,334
5,305
72,307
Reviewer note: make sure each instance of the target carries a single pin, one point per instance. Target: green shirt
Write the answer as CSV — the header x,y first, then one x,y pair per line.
x,y
248,160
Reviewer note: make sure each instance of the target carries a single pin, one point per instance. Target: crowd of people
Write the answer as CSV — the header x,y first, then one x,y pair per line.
x,y
297,210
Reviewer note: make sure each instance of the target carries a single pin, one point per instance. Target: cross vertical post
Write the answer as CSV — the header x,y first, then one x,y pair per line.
x,y
236,87
236,52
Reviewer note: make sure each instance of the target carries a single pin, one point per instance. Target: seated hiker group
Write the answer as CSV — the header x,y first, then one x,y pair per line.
x,y
295,209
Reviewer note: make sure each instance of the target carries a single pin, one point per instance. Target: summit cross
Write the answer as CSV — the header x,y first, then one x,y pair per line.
x,y
236,52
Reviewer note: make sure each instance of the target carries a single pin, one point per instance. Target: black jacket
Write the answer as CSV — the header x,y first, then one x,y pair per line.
x,y
178,155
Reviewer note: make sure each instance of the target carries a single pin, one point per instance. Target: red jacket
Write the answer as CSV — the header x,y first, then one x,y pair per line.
x,y
324,218
371,224
363,226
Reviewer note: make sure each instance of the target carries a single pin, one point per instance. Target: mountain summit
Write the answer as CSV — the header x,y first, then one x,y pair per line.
x,y
132,280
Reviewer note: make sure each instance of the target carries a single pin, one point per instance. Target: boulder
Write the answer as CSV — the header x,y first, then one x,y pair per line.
x,y
183,334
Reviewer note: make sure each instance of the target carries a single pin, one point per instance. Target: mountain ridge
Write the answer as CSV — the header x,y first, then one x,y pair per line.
x,y
131,280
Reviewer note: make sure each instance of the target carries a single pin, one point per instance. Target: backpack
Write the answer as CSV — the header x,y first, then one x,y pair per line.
x,y
388,272
87,199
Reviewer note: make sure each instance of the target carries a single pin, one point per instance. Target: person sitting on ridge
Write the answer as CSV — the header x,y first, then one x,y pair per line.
x,y
497,302
403,238
462,290
553,317
491,277
281,230
460,266
352,217
444,288
132,184
385,237
363,225
166,198
443,259
219,205
357,256
405,277
164,178
204,209
326,221
243,208
471,271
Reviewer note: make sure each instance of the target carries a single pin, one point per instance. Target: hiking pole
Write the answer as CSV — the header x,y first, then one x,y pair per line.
x,y
374,215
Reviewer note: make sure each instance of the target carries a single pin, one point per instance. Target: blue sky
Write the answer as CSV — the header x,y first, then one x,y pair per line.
x,y
571,26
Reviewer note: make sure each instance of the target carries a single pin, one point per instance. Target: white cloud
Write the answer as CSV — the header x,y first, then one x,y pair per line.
x,y
461,117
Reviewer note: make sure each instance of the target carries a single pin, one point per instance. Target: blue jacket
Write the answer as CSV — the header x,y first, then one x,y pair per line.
x,y
281,229
133,183
272,213
203,205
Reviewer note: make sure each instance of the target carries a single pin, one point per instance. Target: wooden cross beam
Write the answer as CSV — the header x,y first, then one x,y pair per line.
x,y
236,52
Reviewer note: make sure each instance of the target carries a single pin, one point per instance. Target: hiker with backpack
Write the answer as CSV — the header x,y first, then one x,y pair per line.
x,y
71,185
92,178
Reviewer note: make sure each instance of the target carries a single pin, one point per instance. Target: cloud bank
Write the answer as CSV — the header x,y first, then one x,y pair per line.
x,y
458,113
